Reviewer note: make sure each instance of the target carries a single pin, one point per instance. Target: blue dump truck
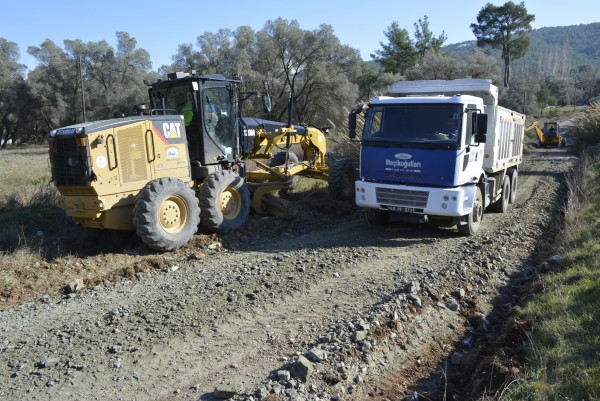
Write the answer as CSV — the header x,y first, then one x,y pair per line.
x,y
441,150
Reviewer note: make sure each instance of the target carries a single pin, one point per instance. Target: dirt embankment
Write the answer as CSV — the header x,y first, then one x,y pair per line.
x,y
321,307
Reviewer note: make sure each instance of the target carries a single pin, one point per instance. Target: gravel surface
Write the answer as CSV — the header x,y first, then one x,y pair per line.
x,y
324,307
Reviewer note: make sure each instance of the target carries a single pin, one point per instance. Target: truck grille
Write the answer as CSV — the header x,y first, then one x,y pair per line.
x,y
70,164
402,197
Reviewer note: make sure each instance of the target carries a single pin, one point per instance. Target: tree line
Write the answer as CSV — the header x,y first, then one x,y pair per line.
x,y
91,81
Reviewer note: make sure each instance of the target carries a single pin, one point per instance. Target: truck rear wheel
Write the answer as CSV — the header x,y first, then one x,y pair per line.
x,y
474,218
501,205
514,178
341,180
224,201
166,214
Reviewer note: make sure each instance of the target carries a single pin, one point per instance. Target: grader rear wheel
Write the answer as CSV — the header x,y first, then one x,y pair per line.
x,y
166,214
225,201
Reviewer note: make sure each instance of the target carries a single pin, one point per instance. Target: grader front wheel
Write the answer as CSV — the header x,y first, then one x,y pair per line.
x,y
341,180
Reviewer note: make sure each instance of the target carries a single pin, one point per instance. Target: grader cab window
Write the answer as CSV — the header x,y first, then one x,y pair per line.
x,y
218,116
175,100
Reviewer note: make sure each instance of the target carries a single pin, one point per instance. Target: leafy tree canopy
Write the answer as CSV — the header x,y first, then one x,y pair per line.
x,y
505,27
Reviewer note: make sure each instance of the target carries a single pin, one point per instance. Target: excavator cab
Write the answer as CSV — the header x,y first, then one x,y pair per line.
x,y
209,105
549,134
551,129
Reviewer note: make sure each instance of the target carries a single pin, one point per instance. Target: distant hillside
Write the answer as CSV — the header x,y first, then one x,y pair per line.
x,y
553,50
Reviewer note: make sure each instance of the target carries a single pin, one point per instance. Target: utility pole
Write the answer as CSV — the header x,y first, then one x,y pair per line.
x,y
82,90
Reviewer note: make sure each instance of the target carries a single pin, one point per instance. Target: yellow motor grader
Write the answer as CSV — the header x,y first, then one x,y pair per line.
x,y
183,164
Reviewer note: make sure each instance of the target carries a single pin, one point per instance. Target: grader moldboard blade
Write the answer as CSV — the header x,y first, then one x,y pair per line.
x,y
263,202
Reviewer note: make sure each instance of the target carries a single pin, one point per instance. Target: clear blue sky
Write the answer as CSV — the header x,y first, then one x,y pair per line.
x,y
160,26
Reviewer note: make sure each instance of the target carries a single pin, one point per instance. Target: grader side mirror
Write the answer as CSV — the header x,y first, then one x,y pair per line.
x,y
266,101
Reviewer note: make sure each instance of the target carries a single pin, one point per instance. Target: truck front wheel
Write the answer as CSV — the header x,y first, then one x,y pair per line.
x,y
166,214
225,202
473,220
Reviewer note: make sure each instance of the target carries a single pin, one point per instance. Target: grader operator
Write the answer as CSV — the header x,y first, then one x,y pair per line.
x,y
183,164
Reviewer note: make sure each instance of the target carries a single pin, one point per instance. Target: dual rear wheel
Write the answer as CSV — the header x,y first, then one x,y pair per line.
x,y
167,212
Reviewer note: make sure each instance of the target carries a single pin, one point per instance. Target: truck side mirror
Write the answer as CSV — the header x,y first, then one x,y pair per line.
x,y
351,125
352,120
481,121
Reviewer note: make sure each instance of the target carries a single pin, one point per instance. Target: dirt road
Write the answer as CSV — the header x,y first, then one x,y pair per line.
x,y
322,307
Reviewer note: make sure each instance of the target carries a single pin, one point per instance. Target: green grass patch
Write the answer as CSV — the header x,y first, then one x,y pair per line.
x,y
28,211
23,167
564,354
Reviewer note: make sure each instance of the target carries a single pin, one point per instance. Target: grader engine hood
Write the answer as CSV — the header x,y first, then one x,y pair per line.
x,y
99,167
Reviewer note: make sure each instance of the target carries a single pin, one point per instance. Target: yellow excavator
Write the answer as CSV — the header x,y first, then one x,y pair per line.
x,y
549,134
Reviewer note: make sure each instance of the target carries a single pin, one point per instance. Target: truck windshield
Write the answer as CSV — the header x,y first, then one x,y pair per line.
x,y
419,125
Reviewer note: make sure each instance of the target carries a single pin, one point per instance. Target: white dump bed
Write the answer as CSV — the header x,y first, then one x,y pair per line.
x,y
504,145
482,88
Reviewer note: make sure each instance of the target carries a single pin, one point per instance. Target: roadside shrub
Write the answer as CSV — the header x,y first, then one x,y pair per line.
x,y
586,126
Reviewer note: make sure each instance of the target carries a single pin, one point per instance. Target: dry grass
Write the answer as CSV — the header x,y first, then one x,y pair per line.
x,y
586,126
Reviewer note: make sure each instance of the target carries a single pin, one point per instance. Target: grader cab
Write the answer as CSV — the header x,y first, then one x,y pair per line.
x,y
182,165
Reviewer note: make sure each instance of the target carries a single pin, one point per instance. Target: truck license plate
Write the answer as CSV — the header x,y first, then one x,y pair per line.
x,y
402,209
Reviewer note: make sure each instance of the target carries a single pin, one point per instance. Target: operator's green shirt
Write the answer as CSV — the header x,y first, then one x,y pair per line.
x,y
188,113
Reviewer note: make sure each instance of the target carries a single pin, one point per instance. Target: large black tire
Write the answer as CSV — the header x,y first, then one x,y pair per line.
x,y
224,201
166,214
377,217
501,205
514,178
475,217
279,159
341,180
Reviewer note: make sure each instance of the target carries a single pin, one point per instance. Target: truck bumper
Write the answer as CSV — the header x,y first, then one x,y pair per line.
x,y
450,202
